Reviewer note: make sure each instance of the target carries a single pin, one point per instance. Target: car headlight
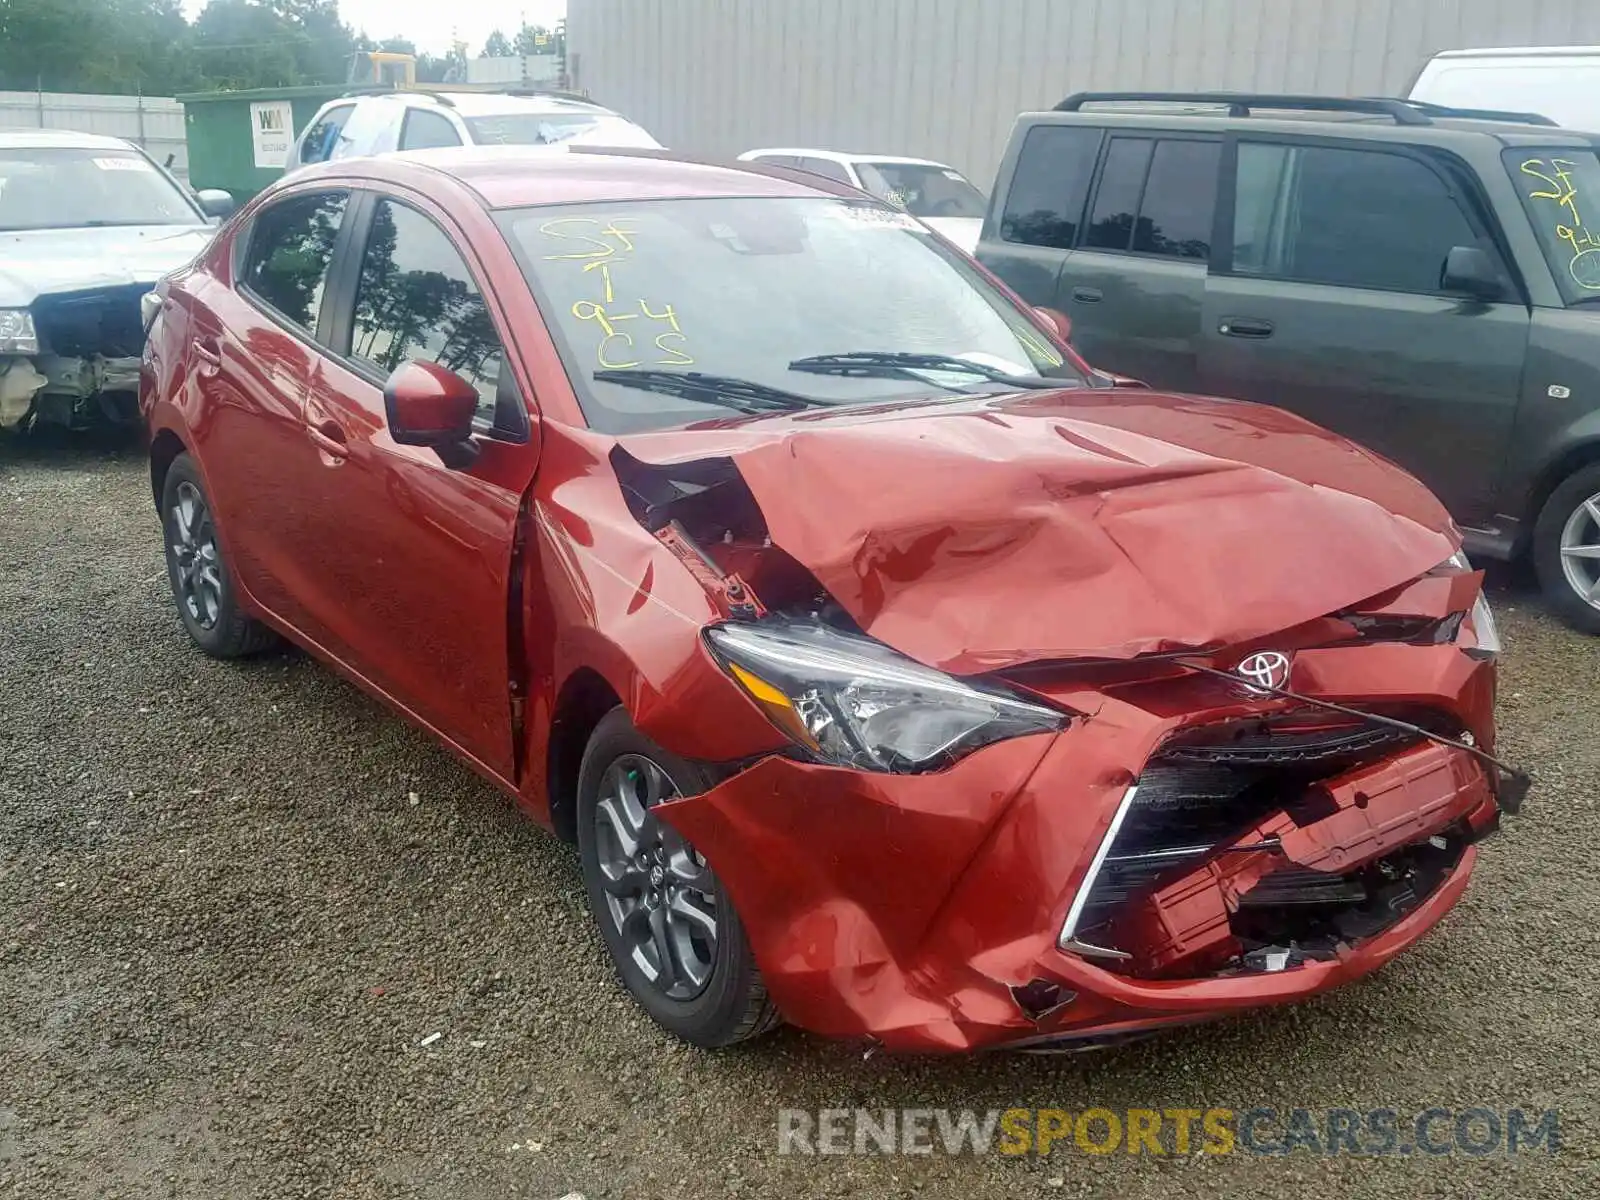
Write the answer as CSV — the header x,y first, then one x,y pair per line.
x,y
854,702
1480,621
17,334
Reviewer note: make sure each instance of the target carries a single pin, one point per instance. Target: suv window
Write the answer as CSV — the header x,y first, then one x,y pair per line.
x,y
291,245
417,300
1044,204
825,167
317,143
424,130
1157,197
1350,218
1561,191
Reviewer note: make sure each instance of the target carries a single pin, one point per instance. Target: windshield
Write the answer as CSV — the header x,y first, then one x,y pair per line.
x,y
742,289
54,188
1561,191
922,189
543,129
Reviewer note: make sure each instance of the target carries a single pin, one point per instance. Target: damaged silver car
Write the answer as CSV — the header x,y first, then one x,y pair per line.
x,y
87,226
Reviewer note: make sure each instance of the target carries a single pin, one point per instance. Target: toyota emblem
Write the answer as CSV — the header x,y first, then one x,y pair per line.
x,y
1265,669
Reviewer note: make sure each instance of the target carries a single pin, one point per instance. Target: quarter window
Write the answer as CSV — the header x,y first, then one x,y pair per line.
x,y
291,245
1157,197
1044,205
424,130
318,142
416,300
1349,218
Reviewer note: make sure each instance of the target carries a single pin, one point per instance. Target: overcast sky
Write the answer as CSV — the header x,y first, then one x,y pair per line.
x,y
433,24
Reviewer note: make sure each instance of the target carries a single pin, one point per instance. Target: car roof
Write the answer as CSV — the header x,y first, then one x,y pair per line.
x,y
841,156
60,139
524,176
480,104
1523,52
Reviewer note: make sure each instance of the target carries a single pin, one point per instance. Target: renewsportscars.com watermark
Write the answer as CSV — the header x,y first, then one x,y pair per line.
x,y
1170,1131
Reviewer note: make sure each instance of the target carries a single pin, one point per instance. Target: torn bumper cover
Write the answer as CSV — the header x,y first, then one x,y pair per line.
x,y
85,366
1144,867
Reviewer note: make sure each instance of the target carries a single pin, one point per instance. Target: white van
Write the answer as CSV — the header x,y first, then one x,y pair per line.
x,y
1558,82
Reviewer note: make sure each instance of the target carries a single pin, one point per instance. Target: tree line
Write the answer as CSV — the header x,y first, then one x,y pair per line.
x,y
147,46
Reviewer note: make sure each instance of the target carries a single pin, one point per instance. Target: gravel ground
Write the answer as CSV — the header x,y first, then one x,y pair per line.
x,y
234,899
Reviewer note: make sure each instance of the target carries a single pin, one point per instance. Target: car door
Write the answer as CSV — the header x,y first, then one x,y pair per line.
x,y
1040,199
1136,283
1326,301
252,358
412,570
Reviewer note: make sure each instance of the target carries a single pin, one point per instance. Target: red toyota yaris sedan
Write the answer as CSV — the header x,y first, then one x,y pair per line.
x,y
895,673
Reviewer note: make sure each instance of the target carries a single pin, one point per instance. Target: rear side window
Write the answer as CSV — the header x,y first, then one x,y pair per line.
x,y
424,130
1349,218
317,144
1045,203
291,245
417,300
1157,197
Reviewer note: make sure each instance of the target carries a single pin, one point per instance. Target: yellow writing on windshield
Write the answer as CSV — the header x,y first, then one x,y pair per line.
x,y
605,248
1560,188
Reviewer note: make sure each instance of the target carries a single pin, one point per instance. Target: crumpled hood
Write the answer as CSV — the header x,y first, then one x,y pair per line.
x,y
977,535
38,262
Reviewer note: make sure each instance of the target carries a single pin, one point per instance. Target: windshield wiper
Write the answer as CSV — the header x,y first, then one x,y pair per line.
x,y
882,364
741,394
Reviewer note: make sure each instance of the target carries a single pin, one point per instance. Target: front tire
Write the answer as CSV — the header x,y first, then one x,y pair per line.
x,y
672,934
197,570
1566,549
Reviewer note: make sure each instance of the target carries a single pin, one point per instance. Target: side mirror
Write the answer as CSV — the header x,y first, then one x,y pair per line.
x,y
1056,320
215,202
1470,271
430,406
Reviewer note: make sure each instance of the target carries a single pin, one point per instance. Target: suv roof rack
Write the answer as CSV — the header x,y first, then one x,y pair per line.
x,y
1479,114
1240,104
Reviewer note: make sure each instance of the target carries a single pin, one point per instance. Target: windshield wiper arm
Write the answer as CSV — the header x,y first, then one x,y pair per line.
x,y
885,364
742,394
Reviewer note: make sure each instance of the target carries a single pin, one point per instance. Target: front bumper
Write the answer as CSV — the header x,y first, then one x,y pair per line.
x,y
927,911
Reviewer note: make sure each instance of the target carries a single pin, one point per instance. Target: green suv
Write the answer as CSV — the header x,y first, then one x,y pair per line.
x,y
1424,281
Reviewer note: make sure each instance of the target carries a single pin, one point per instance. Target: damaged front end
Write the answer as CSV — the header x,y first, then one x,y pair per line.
x,y
72,359
1080,840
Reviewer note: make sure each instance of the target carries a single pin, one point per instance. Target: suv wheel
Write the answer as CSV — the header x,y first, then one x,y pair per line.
x,y
671,932
1566,549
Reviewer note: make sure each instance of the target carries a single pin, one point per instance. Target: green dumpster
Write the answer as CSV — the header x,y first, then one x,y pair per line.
x,y
239,141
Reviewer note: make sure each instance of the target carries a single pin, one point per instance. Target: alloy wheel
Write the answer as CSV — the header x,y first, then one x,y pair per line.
x,y
192,549
1580,550
660,894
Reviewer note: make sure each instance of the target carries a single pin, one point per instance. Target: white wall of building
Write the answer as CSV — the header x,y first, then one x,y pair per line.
x,y
944,79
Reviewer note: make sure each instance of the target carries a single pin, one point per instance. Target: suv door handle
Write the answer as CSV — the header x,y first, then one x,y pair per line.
x,y
1086,295
209,353
1244,327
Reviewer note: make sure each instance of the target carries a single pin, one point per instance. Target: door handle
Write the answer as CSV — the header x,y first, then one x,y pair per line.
x,y
209,353
1244,327
328,437
1086,295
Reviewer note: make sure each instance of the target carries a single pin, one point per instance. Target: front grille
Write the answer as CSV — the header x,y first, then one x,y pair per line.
x,y
1209,785
104,322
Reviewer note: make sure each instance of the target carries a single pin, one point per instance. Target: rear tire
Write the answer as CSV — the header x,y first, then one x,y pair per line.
x,y
197,570
672,934
1566,549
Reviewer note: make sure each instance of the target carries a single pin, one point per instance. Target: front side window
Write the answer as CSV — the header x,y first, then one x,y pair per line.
x,y
60,188
1157,197
318,142
1045,204
923,190
745,289
424,130
1560,190
291,247
417,300
825,167
1349,218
